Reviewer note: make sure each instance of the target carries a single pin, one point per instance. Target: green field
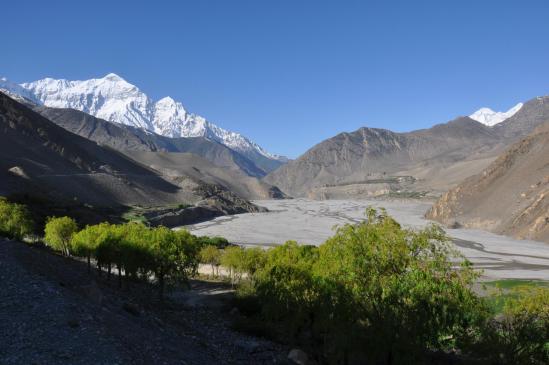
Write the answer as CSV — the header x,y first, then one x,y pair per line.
x,y
499,291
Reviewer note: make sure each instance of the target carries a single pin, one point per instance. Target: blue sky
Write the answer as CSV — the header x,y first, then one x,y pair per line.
x,y
290,73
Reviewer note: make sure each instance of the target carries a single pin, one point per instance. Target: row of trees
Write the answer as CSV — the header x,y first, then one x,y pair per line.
x,y
375,291
387,295
132,249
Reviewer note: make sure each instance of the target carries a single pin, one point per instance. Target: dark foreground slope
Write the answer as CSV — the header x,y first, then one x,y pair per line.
x,y
53,312
369,161
511,196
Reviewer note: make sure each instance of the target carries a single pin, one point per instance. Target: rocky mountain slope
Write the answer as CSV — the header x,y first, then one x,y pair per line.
x,y
114,99
373,161
510,196
39,157
127,139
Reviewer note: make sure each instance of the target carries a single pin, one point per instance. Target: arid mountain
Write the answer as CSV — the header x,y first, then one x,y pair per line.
x,y
127,138
377,162
510,196
39,157
175,164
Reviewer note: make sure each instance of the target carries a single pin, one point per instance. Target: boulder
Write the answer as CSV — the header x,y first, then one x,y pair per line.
x,y
298,356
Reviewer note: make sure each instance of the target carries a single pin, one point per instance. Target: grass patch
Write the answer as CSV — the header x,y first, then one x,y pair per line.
x,y
500,291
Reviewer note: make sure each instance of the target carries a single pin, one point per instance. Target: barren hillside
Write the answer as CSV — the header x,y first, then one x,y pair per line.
x,y
510,196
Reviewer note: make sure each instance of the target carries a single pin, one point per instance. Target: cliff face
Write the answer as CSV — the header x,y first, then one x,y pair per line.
x,y
511,196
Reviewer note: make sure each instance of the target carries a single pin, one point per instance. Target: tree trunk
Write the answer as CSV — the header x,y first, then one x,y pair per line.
x,y
161,284
89,263
109,266
99,268
119,267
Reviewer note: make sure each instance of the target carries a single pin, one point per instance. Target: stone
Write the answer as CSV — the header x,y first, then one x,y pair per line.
x,y
298,357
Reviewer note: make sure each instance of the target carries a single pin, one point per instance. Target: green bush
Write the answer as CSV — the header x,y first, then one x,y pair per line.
x,y
15,220
520,334
218,242
375,289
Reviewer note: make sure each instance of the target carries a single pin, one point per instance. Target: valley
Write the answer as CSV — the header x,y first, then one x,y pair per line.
x,y
312,222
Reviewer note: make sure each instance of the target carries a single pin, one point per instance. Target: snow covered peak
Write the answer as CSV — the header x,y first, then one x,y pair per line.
x,y
114,99
113,77
490,118
16,91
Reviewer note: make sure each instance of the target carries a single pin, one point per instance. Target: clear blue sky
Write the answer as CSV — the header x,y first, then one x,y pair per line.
x,y
290,73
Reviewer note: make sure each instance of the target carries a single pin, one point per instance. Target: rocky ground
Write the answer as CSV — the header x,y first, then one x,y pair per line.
x,y
53,312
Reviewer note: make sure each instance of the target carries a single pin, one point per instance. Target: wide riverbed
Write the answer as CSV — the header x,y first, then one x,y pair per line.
x,y
312,222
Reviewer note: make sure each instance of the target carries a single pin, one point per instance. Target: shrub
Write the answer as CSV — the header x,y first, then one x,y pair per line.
x,y
218,242
520,334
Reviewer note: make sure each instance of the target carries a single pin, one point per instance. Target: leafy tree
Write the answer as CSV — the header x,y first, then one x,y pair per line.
x,y
58,233
188,258
253,259
397,291
211,255
15,220
85,242
174,255
233,259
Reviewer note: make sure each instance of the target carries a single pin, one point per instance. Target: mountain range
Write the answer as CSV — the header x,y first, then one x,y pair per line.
x,y
103,141
372,162
114,99
47,164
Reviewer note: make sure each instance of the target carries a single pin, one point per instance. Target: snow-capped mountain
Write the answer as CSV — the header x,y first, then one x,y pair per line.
x,y
17,92
490,118
114,99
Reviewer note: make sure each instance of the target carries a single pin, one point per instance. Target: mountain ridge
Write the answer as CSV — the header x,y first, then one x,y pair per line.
x,y
114,99
376,161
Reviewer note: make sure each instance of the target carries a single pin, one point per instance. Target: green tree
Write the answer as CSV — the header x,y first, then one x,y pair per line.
x,y
84,243
397,291
211,255
254,259
58,233
175,256
15,220
233,259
